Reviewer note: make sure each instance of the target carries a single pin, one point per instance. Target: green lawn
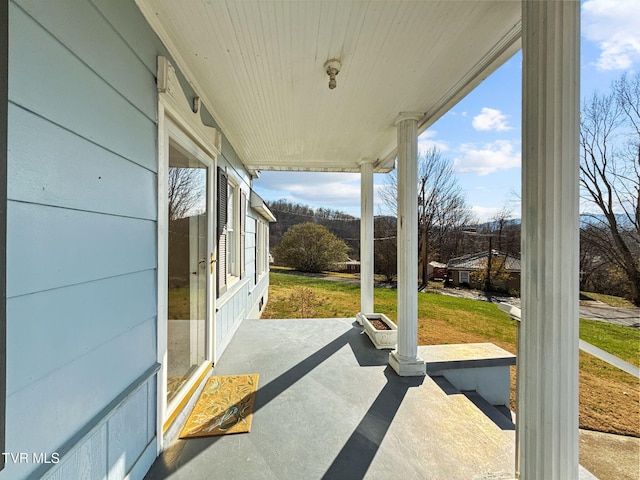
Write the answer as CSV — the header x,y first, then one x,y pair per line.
x,y
481,319
623,342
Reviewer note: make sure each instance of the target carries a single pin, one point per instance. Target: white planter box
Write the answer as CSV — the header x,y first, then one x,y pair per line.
x,y
381,338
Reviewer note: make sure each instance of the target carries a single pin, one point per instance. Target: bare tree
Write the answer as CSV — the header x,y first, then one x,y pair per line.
x,y
385,247
500,221
598,270
185,191
505,229
442,206
627,94
610,176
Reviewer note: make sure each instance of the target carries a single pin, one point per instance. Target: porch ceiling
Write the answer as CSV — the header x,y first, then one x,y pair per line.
x,y
259,67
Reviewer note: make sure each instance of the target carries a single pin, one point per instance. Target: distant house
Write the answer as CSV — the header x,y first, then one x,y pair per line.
x,y
436,270
350,266
470,270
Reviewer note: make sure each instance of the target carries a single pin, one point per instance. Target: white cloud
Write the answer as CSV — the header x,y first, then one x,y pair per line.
x,y
491,119
336,191
615,26
426,141
484,214
499,155
326,193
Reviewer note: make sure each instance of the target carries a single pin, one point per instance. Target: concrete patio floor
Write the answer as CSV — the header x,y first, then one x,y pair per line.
x,y
328,406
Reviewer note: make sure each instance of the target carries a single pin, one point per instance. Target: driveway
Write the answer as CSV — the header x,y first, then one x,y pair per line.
x,y
629,317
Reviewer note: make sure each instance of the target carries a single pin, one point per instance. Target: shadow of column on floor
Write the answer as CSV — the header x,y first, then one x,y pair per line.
x,y
500,416
358,452
183,451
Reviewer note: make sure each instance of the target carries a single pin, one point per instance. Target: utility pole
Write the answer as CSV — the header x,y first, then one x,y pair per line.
x,y
423,233
487,284
487,281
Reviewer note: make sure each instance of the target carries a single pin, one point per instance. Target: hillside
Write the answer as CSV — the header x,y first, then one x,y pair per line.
x,y
342,225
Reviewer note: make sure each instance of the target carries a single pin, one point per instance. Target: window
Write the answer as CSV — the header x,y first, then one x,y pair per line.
x,y
231,230
232,208
236,217
262,253
464,277
242,226
221,221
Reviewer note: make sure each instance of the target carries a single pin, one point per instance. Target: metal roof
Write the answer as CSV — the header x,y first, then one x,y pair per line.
x,y
478,261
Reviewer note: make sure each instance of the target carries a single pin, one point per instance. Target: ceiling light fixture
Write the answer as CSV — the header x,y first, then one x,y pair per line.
x,y
332,67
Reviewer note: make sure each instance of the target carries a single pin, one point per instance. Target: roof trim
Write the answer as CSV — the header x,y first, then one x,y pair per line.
x,y
509,45
257,203
172,95
177,59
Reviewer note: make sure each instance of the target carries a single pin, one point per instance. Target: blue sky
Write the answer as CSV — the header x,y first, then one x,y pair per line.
x,y
481,135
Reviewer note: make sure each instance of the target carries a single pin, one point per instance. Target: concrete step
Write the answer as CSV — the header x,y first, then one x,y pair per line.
x,y
500,415
480,367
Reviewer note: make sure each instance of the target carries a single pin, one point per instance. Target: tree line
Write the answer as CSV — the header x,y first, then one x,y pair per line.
x,y
342,225
300,233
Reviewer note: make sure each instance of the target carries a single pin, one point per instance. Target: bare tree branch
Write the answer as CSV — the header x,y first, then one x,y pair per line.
x,y
442,207
610,179
186,191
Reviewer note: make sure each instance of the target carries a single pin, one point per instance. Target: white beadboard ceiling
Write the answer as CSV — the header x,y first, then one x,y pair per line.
x,y
258,66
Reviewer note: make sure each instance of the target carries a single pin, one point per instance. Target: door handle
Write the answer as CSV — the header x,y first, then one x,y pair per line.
x,y
212,262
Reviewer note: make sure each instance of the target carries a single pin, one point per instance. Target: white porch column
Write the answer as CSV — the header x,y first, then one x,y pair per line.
x,y
548,402
405,360
366,236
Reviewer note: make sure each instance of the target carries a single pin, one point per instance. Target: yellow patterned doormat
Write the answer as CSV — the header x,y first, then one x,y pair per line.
x,y
225,406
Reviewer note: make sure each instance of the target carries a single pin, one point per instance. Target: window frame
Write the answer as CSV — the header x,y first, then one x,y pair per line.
x,y
233,233
170,132
175,113
262,258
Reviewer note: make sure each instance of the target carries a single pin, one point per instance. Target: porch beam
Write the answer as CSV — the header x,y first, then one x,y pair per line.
x,y
548,399
366,236
404,360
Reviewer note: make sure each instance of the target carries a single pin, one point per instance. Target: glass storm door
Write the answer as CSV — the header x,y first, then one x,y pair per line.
x,y
188,267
